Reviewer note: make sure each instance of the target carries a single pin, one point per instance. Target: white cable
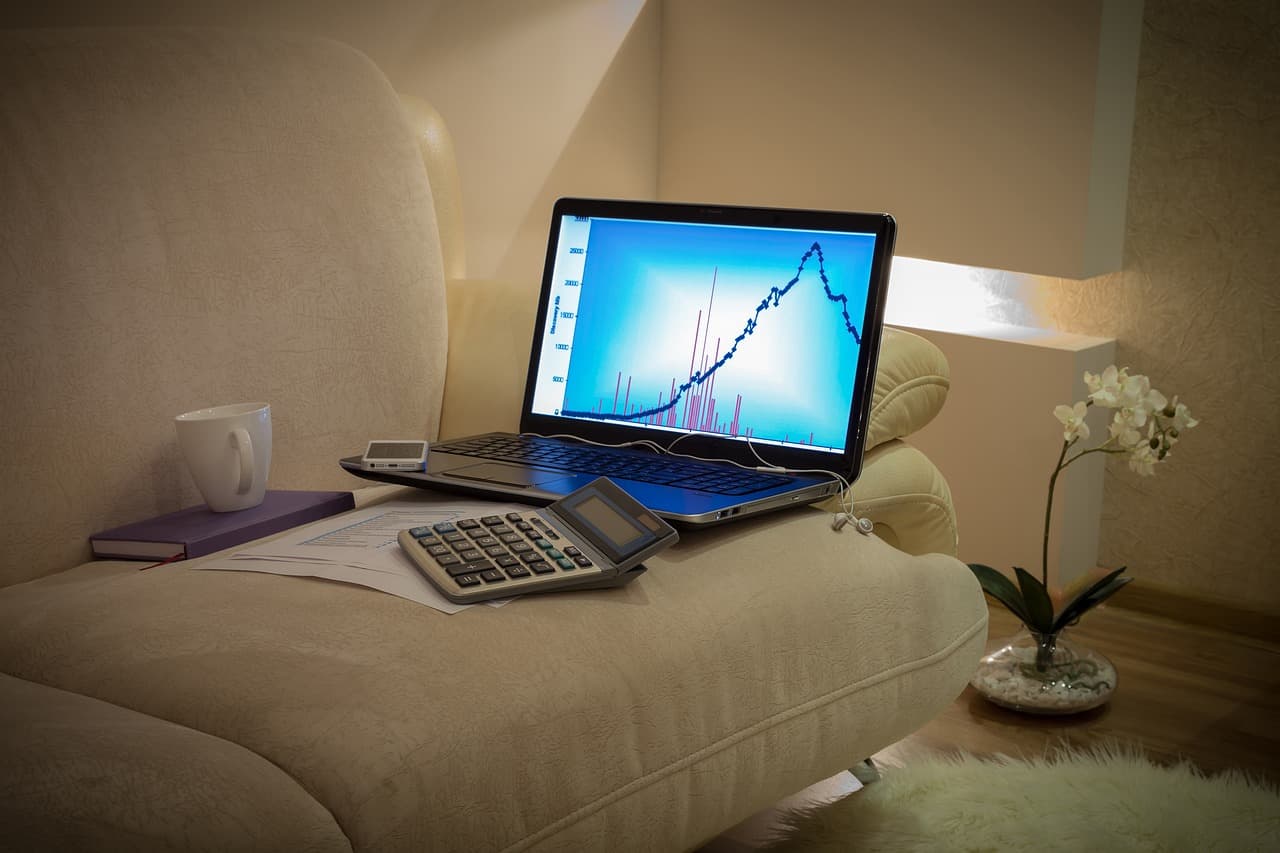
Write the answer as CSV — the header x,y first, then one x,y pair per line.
x,y
864,525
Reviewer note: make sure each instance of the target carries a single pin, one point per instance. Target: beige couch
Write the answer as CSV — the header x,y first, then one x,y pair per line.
x,y
194,217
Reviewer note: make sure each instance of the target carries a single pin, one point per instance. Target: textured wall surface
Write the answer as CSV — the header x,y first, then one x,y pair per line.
x,y
1197,307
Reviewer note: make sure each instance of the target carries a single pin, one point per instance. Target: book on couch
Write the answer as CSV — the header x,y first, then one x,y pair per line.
x,y
198,530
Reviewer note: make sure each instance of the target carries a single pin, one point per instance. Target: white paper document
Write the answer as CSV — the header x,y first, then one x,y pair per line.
x,y
360,547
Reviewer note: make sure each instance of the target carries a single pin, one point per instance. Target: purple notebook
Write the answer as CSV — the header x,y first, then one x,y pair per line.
x,y
198,530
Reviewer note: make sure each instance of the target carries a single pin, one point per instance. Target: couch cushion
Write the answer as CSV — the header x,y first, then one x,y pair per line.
x,y
81,774
191,218
750,661
912,380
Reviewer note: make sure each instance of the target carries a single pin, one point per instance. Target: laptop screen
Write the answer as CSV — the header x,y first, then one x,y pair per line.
x,y
731,324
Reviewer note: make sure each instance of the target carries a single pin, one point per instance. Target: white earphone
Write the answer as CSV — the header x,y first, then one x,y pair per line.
x,y
864,525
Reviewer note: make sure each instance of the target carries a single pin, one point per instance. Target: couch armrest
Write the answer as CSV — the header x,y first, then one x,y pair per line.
x,y
907,499
912,380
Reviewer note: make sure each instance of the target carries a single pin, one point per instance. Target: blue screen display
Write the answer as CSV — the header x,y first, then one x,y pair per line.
x,y
742,331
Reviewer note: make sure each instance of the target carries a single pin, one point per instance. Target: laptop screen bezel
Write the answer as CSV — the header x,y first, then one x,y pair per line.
x,y
847,464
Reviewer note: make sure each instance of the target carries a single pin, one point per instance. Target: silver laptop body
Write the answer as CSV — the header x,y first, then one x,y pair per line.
x,y
742,341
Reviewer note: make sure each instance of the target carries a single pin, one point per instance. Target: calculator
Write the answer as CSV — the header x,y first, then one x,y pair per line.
x,y
594,537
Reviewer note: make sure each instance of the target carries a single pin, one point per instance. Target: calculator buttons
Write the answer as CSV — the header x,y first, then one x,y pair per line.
x,y
507,551
474,566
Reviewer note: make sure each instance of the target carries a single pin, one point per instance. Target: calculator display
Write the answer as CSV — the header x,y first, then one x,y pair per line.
x,y
620,529
610,519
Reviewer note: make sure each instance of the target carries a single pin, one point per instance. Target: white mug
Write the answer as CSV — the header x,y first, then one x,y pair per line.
x,y
228,451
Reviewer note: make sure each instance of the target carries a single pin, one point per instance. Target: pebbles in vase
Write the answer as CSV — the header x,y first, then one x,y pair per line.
x,y
1078,679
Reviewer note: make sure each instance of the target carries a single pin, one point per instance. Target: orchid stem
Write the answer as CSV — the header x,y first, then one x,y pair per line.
x,y
1048,512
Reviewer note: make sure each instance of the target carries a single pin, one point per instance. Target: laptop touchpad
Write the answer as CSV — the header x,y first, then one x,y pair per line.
x,y
512,475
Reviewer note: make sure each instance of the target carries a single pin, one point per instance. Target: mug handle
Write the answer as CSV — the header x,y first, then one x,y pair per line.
x,y
241,441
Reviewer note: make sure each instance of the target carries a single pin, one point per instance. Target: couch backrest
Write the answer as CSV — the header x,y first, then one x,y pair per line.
x,y
193,217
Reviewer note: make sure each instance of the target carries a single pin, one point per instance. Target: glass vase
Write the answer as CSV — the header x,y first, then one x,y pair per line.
x,y
1045,674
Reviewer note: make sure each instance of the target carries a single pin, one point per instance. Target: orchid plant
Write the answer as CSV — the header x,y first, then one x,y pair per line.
x,y
1145,427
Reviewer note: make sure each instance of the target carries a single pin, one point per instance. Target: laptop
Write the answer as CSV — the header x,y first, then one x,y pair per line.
x,y
716,362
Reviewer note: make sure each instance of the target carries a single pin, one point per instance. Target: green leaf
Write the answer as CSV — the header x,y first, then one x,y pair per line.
x,y
1039,605
1091,598
1001,589
1080,602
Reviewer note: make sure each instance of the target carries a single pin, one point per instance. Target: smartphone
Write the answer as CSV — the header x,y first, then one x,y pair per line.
x,y
394,455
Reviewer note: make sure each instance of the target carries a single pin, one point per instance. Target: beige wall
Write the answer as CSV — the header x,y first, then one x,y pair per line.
x,y
1196,306
997,132
549,98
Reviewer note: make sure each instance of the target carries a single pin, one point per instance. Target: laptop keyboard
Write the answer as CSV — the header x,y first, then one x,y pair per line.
x,y
606,462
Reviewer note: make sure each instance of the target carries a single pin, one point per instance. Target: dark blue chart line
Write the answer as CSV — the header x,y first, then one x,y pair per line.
x,y
772,299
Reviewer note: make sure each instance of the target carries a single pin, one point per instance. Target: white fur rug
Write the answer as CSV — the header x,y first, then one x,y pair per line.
x,y
1111,799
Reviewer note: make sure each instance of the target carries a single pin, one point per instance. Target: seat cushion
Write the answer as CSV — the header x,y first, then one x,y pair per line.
x,y
81,774
750,661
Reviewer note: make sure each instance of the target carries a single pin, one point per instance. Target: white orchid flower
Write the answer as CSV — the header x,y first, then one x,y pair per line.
x,y
1123,430
1135,393
1144,428
1143,460
1182,416
1105,390
1072,418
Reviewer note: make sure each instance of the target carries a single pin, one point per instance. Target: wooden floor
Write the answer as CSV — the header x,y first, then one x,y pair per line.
x,y
1185,692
